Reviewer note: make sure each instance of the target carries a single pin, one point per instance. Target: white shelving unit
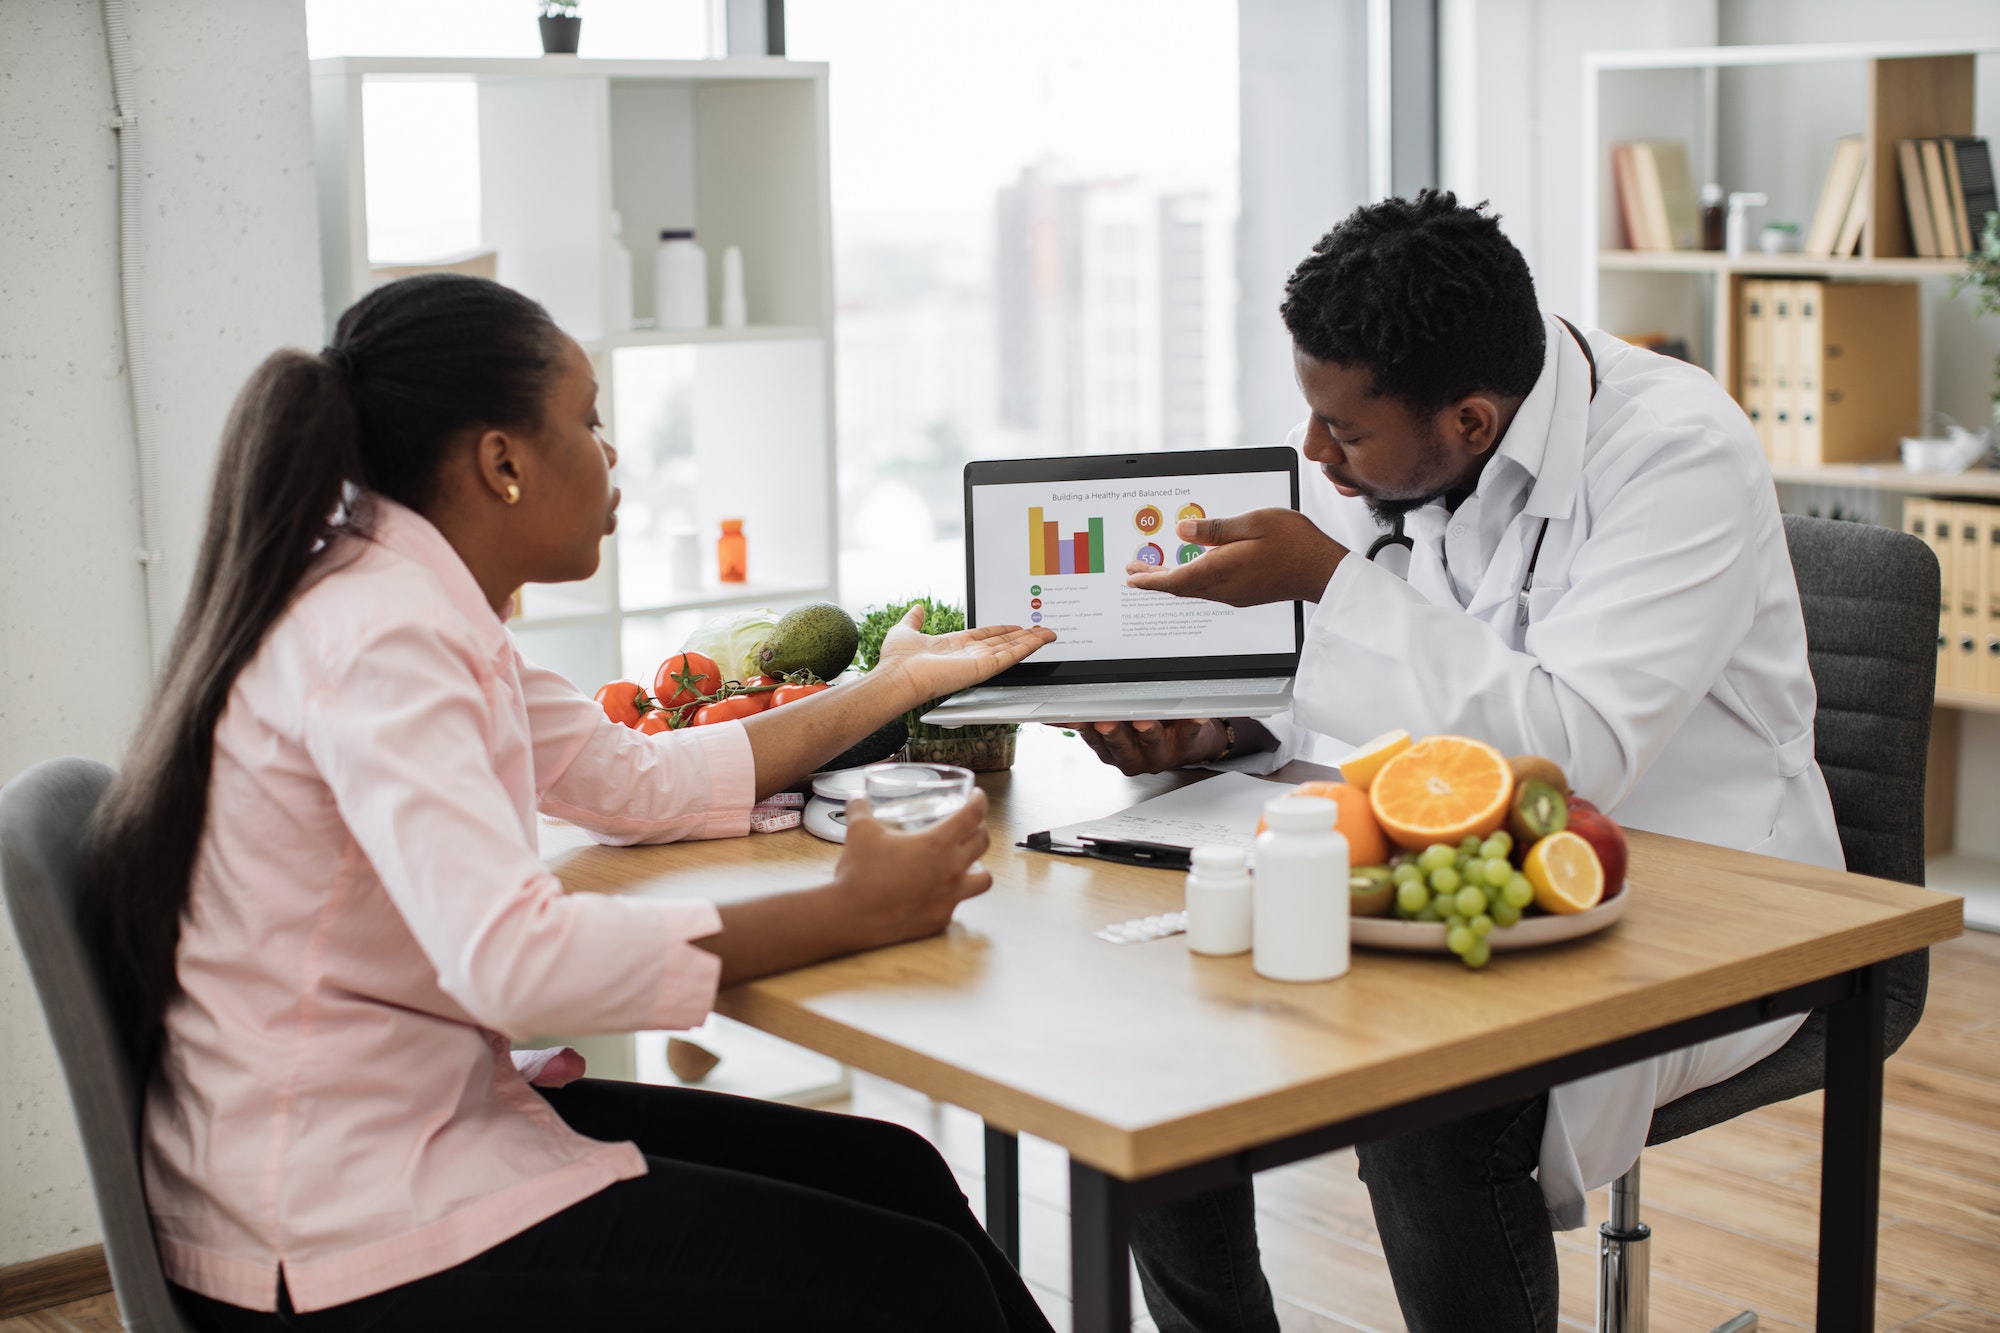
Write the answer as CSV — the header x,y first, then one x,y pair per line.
x,y
1900,90
711,423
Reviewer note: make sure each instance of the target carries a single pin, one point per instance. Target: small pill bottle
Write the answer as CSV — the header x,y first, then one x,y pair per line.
x,y
1218,901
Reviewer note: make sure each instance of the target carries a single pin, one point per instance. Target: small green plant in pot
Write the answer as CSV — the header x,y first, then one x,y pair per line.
x,y
983,749
1982,274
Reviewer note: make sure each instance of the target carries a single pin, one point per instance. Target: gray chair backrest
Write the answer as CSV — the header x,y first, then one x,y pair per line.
x,y
1870,597
43,816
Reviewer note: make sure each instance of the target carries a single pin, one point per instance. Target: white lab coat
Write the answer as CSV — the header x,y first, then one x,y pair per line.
x,y
1663,662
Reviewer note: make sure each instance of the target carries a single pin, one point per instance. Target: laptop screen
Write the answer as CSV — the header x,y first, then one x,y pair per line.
x,y
1047,541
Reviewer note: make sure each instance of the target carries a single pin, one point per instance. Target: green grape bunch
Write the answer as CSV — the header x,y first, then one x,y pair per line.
x,y
1470,889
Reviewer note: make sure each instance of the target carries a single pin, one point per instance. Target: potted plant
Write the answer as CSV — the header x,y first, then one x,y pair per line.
x,y
983,749
1982,272
562,27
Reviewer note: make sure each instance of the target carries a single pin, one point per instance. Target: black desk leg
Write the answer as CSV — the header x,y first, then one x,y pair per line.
x,y
1851,1169
1003,1192
1100,1243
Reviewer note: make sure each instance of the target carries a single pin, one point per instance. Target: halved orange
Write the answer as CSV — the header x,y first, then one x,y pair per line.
x,y
1365,844
1366,761
1442,789
1566,874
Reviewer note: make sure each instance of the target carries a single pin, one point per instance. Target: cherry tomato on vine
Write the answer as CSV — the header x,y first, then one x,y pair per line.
x,y
684,678
657,721
727,710
785,694
620,701
762,689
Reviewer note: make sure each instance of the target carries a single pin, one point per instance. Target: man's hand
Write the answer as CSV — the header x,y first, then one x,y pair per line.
x,y
1154,747
1266,555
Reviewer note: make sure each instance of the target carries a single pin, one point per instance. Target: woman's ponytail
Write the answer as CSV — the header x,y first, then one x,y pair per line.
x,y
309,439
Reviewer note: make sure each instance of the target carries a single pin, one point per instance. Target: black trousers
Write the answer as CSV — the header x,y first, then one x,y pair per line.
x,y
751,1216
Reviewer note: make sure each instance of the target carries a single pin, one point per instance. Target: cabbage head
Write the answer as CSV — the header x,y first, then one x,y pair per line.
x,y
733,641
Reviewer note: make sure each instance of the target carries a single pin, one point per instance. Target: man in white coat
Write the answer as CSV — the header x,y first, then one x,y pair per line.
x,y
1592,568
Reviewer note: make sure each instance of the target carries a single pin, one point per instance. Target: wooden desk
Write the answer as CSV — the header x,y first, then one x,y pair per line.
x,y
1164,1074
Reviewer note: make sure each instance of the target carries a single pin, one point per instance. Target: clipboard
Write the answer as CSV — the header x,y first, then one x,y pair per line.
x,y
1221,810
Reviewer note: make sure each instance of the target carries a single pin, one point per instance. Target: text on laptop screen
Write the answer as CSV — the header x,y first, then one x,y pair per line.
x,y
1054,553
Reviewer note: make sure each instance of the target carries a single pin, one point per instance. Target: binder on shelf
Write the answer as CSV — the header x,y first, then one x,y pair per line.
x,y
1782,401
1923,519
1967,621
1656,194
1753,388
1870,370
1836,196
1808,371
1916,199
1989,600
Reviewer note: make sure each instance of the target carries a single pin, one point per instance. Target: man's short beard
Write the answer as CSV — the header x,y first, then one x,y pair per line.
x,y
1388,513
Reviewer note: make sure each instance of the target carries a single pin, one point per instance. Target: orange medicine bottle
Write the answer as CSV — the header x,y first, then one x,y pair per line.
x,y
732,553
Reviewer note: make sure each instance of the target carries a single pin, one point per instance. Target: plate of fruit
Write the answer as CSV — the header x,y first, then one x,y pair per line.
x,y
1457,849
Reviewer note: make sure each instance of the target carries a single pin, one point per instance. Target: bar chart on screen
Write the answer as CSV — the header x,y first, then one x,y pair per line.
x,y
1050,553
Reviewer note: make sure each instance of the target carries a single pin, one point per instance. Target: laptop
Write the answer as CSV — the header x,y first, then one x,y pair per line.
x,y
1046,543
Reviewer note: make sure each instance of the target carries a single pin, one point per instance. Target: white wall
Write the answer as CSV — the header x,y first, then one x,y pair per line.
x,y
1511,96
1304,165
232,272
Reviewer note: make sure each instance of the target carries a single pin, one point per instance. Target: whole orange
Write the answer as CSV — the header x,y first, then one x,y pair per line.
x,y
1366,844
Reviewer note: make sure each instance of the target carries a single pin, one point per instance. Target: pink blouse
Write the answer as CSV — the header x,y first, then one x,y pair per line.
x,y
369,924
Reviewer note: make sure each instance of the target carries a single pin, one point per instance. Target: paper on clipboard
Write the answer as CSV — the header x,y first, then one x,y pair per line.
x,y
1221,811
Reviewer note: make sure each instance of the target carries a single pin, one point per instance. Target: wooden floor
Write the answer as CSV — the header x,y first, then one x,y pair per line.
x,y
1733,1210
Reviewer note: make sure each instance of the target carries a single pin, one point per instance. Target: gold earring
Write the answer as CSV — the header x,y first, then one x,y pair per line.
x,y
513,493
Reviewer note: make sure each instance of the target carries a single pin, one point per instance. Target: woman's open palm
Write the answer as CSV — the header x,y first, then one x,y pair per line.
x,y
939,664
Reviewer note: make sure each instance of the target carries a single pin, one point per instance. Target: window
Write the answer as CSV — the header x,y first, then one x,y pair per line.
x,y
1034,207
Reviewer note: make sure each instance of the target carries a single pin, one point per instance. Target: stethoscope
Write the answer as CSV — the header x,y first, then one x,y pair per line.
x,y
1396,537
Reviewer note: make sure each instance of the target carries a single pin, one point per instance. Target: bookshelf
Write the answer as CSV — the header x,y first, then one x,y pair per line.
x,y
1895,90
704,419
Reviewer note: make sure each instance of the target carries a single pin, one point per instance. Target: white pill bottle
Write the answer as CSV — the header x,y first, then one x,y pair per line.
x,y
680,282
1218,901
1298,915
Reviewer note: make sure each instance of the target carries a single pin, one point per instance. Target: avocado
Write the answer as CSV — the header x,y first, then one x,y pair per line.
x,y
818,637
877,745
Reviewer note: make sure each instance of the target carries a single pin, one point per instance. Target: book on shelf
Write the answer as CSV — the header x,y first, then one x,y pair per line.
x,y
1948,189
1976,192
1829,372
1837,197
1656,195
1916,199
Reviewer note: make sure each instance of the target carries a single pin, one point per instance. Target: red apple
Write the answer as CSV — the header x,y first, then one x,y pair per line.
x,y
1605,838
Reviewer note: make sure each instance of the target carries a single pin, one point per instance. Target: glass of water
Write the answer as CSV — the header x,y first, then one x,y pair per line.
x,y
908,797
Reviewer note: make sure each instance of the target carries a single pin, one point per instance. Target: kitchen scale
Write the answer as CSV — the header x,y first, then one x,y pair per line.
x,y
826,812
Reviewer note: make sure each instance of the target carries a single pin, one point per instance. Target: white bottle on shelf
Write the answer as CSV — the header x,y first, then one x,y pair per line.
x,y
735,312
680,282
1298,911
618,260
1218,901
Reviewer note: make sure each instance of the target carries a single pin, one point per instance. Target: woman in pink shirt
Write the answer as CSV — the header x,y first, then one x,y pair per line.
x,y
320,903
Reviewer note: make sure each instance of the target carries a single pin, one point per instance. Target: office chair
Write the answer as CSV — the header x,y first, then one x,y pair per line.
x,y
1870,597
43,815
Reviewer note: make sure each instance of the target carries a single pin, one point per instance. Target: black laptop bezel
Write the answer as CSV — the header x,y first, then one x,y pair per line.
x,y
1134,467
